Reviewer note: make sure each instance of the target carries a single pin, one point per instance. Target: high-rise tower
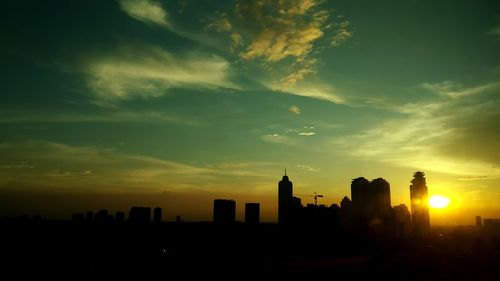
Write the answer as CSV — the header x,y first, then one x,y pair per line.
x,y
371,201
285,195
419,204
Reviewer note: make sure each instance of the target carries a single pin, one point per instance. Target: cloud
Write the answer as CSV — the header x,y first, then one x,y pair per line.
x,y
294,109
147,11
283,40
279,139
316,90
151,71
291,32
307,133
40,162
495,31
308,168
236,41
342,34
110,116
445,134
456,90
219,24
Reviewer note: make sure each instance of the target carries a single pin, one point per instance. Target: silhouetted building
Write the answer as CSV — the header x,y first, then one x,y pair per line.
x,y
402,221
492,224
345,203
359,196
479,222
157,215
119,217
419,204
380,192
224,211
102,216
285,200
77,217
252,213
345,216
89,216
139,215
371,201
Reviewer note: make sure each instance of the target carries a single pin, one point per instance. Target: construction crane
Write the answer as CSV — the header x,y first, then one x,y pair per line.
x,y
315,196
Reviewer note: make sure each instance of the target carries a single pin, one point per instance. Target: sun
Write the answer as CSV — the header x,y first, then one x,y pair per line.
x,y
439,202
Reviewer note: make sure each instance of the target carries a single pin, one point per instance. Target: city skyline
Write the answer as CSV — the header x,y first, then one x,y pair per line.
x,y
369,204
112,104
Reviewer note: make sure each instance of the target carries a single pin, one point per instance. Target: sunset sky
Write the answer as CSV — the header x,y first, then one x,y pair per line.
x,y
109,104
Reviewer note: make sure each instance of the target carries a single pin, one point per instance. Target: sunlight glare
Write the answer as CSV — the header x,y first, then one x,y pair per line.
x,y
439,202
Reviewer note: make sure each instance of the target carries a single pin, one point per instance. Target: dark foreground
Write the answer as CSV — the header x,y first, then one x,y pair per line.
x,y
180,251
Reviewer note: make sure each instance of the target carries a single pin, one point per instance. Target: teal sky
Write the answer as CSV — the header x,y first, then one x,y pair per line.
x,y
107,104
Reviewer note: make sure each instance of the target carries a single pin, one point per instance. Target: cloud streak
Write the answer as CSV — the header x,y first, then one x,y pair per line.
x,y
454,134
40,162
151,71
456,90
147,11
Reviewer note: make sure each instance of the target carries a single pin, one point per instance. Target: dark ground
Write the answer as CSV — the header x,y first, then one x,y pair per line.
x,y
183,250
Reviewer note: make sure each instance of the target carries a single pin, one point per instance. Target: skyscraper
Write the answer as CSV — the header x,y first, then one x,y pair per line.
x,y
479,222
252,213
419,204
157,215
371,201
224,211
285,195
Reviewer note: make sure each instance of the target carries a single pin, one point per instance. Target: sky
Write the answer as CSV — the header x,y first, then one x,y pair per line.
x,y
110,104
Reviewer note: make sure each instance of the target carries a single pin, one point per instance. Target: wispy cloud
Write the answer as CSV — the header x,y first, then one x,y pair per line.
x,y
342,34
151,71
147,11
495,31
279,139
307,134
220,23
295,109
104,169
307,168
315,90
111,116
452,133
456,90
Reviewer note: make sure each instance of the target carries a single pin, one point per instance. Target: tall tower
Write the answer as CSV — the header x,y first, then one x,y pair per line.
x,y
224,211
371,201
285,194
419,204
252,213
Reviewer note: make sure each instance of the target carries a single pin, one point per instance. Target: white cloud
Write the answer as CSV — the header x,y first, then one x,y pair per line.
x,y
150,71
455,90
147,11
307,134
307,168
316,90
279,139
295,109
